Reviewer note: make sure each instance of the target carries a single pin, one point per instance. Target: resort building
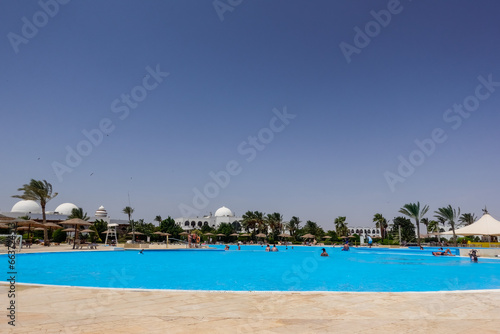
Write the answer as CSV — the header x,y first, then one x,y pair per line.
x,y
367,231
222,215
33,210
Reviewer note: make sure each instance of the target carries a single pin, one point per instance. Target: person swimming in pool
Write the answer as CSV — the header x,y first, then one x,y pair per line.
x,y
275,249
345,248
324,252
142,251
445,253
268,249
473,255
227,247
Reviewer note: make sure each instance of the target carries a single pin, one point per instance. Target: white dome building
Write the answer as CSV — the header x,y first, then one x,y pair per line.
x,y
222,215
101,212
27,206
224,212
65,209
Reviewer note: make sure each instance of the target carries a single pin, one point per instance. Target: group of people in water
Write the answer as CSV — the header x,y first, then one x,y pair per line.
x,y
473,254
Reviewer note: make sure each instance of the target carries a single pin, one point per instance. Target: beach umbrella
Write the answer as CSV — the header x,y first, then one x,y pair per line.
x,y
209,234
26,223
261,235
87,231
138,233
327,237
307,236
234,235
39,229
4,225
77,222
284,235
53,226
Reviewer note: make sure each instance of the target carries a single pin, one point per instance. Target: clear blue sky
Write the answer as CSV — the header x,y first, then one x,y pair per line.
x,y
353,120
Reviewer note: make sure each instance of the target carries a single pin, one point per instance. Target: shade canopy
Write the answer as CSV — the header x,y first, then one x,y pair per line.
x,y
209,234
30,223
261,235
138,233
76,221
52,225
327,237
234,235
221,235
284,235
87,231
486,225
307,236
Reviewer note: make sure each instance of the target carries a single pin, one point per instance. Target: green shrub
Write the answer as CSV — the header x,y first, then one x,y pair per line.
x,y
59,235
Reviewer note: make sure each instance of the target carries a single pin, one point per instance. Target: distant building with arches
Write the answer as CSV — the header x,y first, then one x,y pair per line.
x,y
368,231
222,215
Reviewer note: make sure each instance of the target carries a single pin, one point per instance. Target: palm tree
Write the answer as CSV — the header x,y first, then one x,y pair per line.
x,y
433,227
40,191
425,221
381,223
451,215
158,219
275,222
341,226
249,221
412,210
78,213
129,211
467,218
293,225
260,222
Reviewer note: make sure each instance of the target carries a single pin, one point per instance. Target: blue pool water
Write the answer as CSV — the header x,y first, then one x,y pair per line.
x,y
252,269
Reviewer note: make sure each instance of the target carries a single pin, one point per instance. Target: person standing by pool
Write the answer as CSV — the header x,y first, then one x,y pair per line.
x,y
370,241
324,252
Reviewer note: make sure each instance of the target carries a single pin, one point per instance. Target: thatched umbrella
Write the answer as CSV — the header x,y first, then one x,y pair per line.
x,y
4,225
261,235
327,237
307,236
77,222
167,235
53,226
27,223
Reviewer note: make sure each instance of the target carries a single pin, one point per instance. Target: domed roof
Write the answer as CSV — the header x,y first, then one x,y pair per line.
x,y
28,206
224,212
101,212
65,208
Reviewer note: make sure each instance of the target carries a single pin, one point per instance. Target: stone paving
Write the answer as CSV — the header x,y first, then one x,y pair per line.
x,y
52,309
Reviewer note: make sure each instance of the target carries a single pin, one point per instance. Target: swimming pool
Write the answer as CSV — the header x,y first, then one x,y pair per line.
x,y
253,269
